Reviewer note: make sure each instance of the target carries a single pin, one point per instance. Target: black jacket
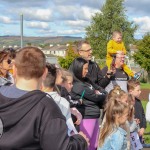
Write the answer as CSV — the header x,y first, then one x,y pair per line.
x,y
98,81
91,102
34,121
139,113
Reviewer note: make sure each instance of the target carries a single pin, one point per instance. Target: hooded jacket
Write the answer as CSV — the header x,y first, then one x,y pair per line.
x,y
91,102
65,109
34,122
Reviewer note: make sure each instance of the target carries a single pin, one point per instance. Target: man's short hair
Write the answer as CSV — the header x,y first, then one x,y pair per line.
x,y
50,80
132,83
79,45
30,63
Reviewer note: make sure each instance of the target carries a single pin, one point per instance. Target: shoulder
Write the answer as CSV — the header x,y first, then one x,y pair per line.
x,y
110,42
119,131
49,107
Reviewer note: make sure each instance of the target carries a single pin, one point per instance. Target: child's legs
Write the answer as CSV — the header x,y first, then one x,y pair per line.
x,y
108,63
128,70
90,128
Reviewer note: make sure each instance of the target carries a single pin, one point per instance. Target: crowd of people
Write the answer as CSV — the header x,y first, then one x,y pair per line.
x,y
45,107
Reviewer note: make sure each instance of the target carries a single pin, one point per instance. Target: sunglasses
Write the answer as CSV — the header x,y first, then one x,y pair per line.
x,y
9,61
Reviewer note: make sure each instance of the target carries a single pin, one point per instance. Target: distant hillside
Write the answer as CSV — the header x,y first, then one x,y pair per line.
x,y
15,40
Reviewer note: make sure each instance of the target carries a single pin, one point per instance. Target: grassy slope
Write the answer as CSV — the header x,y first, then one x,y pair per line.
x,y
145,86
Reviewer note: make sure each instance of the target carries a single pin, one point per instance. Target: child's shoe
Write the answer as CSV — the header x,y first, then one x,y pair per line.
x,y
137,75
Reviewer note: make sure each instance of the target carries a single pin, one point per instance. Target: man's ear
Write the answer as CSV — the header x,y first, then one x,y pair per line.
x,y
130,92
80,53
45,74
14,70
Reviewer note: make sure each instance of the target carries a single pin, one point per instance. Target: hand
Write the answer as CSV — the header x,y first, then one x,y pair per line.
x,y
137,120
141,132
84,136
77,114
110,72
97,92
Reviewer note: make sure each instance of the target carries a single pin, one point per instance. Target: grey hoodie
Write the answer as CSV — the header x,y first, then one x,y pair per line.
x,y
65,109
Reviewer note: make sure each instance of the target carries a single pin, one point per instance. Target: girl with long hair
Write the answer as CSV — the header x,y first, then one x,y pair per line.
x,y
116,115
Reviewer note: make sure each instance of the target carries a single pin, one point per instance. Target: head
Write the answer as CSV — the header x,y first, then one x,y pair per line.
x,y
120,58
67,80
59,75
30,63
116,115
79,68
85,50
134,88
5,62
50,79
11,51
117,36
119,94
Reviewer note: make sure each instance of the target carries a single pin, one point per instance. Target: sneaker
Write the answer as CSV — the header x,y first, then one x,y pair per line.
x,y
138,75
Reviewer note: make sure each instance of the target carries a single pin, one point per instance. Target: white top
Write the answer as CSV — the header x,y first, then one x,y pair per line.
x,y
147,114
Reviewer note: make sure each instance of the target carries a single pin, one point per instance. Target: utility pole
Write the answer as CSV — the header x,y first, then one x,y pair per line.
x,y
21,29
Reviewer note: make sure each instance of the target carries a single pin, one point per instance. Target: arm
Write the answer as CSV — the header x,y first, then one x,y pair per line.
x,y
89,93
103,79
110,48
54,137
115,145
133,126
143,118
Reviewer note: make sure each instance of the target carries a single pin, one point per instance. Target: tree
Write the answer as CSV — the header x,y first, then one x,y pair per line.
x,y
111,17
70,56
142,56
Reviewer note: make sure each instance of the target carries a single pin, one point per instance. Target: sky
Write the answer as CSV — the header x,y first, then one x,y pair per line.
x,y
63,17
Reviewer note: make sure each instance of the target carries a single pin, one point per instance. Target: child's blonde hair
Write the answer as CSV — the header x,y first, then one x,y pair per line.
x,y
66,75
132,83
114,108
117,93
131,108
116,33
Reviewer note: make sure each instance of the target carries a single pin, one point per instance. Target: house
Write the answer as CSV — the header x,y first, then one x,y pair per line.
x,y
57,50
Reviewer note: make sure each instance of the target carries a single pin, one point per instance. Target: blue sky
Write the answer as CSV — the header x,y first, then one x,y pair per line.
x,y
63,17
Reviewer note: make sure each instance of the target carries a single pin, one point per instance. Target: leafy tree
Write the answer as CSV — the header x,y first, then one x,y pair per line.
x,y
111,17
142,56
70,56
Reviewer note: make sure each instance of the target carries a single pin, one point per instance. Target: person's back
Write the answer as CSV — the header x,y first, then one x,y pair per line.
x,y
29,118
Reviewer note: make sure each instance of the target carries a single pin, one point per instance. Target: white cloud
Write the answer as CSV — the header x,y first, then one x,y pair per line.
x,y
144,23
70,32
86,13
77,23
5,19
35,14
39,25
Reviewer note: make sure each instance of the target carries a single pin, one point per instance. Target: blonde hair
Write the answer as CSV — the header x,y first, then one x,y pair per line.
x,y
114,108
131,108
66,75
131,84
117,93
116,33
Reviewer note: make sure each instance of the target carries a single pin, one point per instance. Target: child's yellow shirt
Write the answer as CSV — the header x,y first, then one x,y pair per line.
x,y
113,47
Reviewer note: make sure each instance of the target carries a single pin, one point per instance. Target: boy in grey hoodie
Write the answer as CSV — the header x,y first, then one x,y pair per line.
x,y
48,87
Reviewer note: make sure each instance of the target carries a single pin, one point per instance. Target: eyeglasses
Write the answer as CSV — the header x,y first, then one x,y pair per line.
x,y
87,50
121,57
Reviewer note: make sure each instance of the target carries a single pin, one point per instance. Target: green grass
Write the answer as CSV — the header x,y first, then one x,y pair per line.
x,y
145,86
146,137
